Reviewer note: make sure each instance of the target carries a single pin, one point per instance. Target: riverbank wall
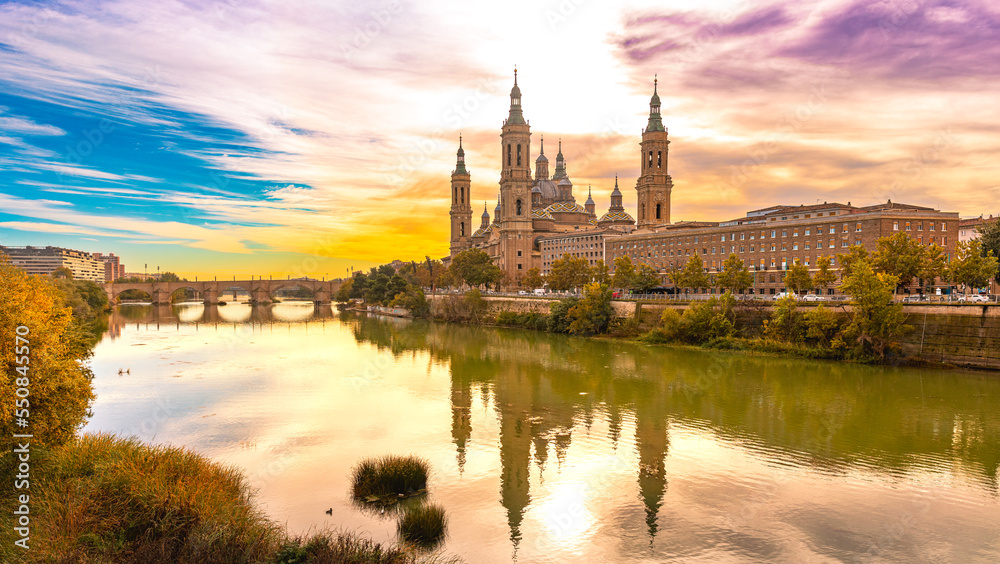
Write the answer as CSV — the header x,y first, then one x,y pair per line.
x,y
963,335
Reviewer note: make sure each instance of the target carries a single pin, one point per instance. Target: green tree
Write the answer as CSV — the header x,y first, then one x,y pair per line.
x,y
592,314
475,268
876,321
533,278
734,276
599,273
899,255
933,266
624,272
359,284
344,292
824,275
970,268
786,321
797,278
854,254
568,272
821,325
646,278
413,300
62,272
693,274
559,321
989,235
55,374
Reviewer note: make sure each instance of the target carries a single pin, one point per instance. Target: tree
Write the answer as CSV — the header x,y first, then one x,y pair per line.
x,y
358,285
693,274
734,276
824,275
933,266
798,278
57,380
855,254
344,292
989,235
171,277
592,314
646,278
599,273
475,268
62,272
899,255
970,268
876,321
624,272
533,278
569,272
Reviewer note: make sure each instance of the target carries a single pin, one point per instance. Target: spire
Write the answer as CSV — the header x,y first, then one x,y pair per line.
x,y
485,217
542,164
515,116
655,122
560,171
460,164
590,199
616,198
496,210
590,206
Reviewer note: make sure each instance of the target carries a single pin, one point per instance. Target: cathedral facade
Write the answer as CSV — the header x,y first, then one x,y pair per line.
x,y
533,205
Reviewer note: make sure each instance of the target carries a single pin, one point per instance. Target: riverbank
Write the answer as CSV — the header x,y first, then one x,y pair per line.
x,y
941,335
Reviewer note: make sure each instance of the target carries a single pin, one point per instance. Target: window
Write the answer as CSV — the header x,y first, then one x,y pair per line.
x,y
508,154
795,233
857,227
659,156
650,159
519,266
461,229
920,240
944,226
518,253
895,226
784,233
807,232
657,211
843,243
807,245
833,230
819,244
518,203
784,246
518,156
773,233
857,241
844,230
920,226
932,226
907,226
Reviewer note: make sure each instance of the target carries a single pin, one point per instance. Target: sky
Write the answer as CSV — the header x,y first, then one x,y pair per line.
x,y
306,138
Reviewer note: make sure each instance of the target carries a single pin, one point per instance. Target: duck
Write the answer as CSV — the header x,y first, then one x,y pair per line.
x,y
329,511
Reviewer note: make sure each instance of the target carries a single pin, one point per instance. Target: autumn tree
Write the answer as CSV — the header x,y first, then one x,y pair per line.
x,y
824,275
899,255
854,254
934,265
876,321
797,278
970,268
734,276
599,273
533,278
592,313
989,236
646,278
568,272
57,388
624,272
693,274
475,268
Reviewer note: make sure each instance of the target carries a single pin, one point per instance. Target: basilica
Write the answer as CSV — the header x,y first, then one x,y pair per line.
x,y
534,207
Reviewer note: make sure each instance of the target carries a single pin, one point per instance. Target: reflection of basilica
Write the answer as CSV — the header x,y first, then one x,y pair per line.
x,y
546,391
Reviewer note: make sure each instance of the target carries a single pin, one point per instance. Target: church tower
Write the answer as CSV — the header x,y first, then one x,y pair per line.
x,y
461,207
654,185
515,185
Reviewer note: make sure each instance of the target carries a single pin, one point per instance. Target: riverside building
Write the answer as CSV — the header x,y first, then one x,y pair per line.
x,y
45,260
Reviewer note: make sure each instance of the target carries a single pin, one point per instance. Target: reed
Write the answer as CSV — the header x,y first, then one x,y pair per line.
x,y
389,475
423,525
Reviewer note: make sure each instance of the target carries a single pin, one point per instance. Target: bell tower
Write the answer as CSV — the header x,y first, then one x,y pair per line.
x,y
654,185
514,220
461,207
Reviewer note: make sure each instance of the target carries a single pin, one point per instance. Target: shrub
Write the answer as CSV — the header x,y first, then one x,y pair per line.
x,y
559,321
821,325
338,547
102,498
625,327
423,525
389,475
592,314
786,321
507,318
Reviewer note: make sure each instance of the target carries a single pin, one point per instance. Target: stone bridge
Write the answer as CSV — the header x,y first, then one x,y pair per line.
x,y
260,290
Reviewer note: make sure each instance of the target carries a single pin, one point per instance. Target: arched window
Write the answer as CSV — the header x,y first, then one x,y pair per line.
x,y
642,211
518,154
508,154
461,229
657,211
650,160
519,207
659,157
461,195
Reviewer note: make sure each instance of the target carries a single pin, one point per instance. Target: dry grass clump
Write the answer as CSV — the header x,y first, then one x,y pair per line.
x,y
389,475
423,525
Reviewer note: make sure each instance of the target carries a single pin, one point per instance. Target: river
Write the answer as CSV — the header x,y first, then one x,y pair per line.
x,y
548,448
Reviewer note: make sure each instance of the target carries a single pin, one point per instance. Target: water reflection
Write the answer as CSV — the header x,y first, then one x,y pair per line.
x,y
830,417
592,450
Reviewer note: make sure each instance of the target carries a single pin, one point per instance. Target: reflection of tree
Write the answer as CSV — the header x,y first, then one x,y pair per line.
x,y
826,415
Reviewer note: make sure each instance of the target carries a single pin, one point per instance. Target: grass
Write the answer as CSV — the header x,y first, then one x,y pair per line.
x,y
102,499
423,525
390,475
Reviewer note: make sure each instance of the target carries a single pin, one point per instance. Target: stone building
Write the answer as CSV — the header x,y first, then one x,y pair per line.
x,y
45,260
534,204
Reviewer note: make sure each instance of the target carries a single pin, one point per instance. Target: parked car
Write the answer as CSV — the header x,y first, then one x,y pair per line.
x,y
974,298
914,298
814,298
522,292
539,291
780,295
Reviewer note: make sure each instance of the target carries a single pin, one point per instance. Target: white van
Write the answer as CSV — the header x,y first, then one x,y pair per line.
x,y
539,291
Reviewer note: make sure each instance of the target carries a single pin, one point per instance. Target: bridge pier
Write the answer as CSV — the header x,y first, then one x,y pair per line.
x,y
321,296
260,295
210,295
160,297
